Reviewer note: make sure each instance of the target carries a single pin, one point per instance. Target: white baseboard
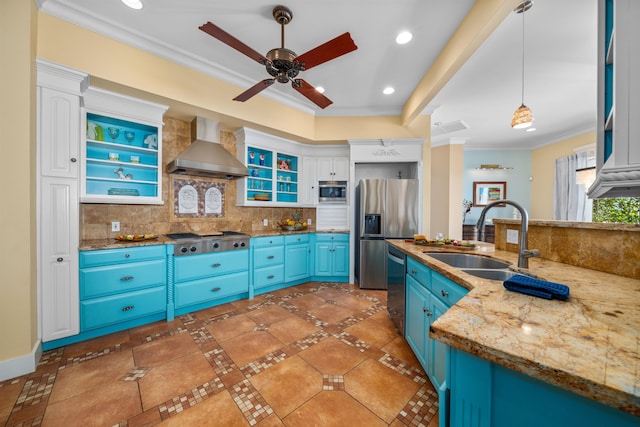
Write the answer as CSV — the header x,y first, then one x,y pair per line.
x,y
21,365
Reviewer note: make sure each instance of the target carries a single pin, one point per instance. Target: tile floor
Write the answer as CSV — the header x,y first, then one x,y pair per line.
x,y
317,354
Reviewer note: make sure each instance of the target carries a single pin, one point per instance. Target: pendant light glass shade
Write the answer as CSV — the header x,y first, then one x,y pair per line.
x,y
523,117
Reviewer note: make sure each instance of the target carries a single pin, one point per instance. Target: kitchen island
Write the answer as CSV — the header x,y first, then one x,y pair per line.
x,y
588,345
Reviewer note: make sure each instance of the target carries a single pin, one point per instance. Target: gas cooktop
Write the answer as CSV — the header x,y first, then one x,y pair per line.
x,y
193,244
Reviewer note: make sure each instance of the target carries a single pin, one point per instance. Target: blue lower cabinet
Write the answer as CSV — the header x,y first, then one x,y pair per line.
x,y
209,289
428,296
297,264
484,394
332,255
205,280
105,311
120,285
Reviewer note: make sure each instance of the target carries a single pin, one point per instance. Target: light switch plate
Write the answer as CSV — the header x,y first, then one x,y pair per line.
x,y
265,222
115,226
512,236
308,221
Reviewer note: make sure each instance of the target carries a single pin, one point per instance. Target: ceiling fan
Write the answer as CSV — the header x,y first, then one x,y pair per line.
x,y
283,64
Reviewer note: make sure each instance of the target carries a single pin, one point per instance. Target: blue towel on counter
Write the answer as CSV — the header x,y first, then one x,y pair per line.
x,y
536,287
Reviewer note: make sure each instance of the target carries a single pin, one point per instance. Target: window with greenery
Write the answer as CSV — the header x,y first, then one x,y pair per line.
x,y
623,209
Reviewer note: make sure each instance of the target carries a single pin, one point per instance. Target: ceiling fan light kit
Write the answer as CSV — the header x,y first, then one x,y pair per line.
x,y
284,65
522,117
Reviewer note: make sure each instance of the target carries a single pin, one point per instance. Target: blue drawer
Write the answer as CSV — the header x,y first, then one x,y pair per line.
x,y
263,257
191,267
446,290
203,290
117,256
112,279
419,272
99,312
332,237
261,242
268,276
294,239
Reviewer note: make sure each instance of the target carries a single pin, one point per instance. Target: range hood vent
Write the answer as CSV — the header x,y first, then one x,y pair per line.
x,y
205,156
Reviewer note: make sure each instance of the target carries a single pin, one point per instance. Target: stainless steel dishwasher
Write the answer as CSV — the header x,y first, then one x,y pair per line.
x,y
396,270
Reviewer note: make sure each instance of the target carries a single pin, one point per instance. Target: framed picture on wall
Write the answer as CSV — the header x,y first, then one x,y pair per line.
x,y
487,192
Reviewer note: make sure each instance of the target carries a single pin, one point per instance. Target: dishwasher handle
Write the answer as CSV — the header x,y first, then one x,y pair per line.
x,y
395,259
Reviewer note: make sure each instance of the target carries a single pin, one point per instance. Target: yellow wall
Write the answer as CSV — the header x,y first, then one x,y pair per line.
x,y
543,167
18,304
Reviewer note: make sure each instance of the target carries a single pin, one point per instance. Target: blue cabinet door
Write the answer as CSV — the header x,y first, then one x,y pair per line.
x,y
297,263
323,258
416,324
437,351
340,259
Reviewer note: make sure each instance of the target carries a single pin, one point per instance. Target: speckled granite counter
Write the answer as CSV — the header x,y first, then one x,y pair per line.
x,y
94,244
589,345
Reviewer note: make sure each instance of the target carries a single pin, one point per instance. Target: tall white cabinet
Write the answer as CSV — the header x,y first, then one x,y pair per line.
x,y
59,92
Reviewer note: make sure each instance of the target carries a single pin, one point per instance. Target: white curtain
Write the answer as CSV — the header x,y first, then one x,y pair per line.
x,y
570,199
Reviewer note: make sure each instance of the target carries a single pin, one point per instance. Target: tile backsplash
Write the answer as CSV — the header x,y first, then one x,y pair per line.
x,y
95,219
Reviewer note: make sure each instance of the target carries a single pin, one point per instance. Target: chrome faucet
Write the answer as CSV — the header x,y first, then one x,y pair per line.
x,y
523,253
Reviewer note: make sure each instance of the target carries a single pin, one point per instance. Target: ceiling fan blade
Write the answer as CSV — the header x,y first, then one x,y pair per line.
x,y
325,52
311,93
254,90
228,39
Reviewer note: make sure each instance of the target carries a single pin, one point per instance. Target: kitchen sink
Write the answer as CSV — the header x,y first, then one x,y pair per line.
x,y
491,274
459,260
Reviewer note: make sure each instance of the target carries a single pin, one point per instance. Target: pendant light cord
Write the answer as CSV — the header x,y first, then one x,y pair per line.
x,y
523,12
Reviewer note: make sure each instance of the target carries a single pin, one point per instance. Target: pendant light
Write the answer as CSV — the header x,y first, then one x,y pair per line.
x,y
523,117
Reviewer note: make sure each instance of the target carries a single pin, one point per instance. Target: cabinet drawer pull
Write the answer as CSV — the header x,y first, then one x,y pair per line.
x,y
127,255
413,271
60,259
271,257
444,293
126,278
271,276
216,289
427,312
73,160
128,308
217,264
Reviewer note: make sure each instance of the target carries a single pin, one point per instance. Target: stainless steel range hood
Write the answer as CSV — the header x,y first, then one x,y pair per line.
x,y
205,156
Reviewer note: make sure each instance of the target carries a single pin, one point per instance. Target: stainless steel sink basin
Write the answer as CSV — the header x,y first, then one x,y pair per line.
x,y
490,274
459,260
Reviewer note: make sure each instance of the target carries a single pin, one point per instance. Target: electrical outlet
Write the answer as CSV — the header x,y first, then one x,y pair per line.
x,y
265,222
512,236
115,226
308,221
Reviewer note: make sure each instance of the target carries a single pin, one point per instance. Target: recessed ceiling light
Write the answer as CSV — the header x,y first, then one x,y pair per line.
x,y
320,89
133,4
404,37
388,90
530,130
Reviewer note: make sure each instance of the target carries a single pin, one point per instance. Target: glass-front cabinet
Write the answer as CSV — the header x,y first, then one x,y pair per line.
x,y
122,150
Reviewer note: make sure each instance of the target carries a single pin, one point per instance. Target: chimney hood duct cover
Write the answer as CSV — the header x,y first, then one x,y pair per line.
x,y
205,156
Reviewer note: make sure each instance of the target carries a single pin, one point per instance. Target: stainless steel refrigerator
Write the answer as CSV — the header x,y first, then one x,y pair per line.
x,y
386,209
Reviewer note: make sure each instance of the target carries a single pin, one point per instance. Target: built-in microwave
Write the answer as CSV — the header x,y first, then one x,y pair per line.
x,y
332,192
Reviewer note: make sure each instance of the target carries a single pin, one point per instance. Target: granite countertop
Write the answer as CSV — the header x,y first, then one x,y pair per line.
x,y
95,244
589,345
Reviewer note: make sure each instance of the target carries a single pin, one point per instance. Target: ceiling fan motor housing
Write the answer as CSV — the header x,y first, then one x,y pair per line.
x,y
281,65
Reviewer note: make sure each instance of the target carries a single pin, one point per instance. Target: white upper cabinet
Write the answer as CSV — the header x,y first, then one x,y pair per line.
x,y
333,168
122,149
618,132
